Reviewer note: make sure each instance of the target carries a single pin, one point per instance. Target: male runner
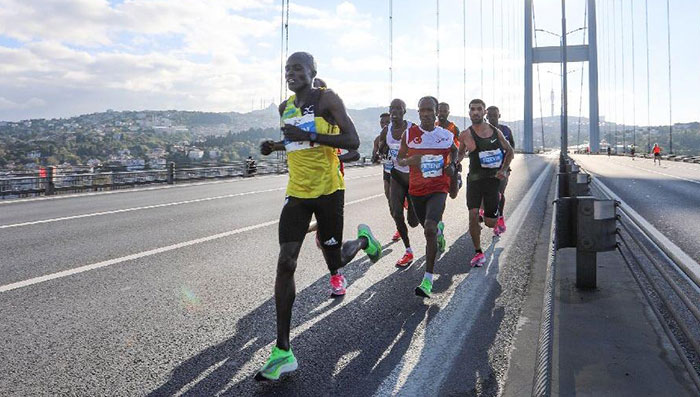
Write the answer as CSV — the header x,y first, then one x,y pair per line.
x,y
427,149
442,114
657,153
487,166
493,114
315,123
390,138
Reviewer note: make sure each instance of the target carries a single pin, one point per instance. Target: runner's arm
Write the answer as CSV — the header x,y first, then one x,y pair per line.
x,y
331,103
465,143
349,156
509,152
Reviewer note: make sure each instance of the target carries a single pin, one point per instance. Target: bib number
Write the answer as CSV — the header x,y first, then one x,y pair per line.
x,y
491,158
431,165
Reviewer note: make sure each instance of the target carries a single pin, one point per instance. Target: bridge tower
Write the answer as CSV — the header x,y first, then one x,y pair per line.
x,y
562,54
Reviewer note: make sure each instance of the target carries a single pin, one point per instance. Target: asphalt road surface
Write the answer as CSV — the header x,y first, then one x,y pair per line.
x,y
168,291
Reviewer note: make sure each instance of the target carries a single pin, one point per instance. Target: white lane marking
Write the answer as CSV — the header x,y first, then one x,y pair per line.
x,y
690,267
421,370
148,207
85,268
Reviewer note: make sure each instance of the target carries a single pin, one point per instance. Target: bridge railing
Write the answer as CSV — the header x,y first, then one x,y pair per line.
x,y
54,181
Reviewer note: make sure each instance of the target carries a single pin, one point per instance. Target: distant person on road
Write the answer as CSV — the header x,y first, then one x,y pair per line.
x,y
493,115
609,151
315,123
632,149
657,153
250,166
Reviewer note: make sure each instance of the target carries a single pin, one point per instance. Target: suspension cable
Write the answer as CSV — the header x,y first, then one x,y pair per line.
x,y
437,44
634,85
580,100
391,50
493,51
615,79
481,41
282,55
670,99
500,93
464,60
539,82
624,92
646,22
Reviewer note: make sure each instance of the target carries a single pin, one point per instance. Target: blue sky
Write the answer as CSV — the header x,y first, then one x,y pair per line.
x,y
67,57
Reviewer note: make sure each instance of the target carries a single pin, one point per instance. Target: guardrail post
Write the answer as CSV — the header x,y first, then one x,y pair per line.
x,y
171,173
50,187
595,232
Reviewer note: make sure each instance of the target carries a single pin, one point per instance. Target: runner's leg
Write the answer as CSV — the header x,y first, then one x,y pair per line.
x,y
398,192
294,222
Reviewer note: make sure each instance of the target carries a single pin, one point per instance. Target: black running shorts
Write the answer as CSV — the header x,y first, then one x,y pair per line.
x,y
328,209
430,206
486,191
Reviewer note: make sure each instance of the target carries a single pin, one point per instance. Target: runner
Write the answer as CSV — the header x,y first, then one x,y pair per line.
x,y
632,150
390,138
493,114
486,145
314,122
442,115
383,155
657,153
426,149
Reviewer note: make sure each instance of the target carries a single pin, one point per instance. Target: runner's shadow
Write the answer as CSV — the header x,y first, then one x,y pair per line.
x,y
355,348
253,332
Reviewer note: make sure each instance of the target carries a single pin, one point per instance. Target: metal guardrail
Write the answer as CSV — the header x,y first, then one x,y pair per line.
x,y
55,182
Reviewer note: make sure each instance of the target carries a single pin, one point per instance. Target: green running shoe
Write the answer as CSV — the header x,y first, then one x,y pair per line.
x,y
425,288
280,361
374,248
441,237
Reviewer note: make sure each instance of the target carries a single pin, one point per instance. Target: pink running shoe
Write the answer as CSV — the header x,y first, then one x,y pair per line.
x,y
501,225
478,260
396,236
338,285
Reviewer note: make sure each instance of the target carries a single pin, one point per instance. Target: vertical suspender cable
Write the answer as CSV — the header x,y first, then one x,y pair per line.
x,y
646,22
670,99
624,92
282,56
481,41
391,50
580,99
539,80
493,52
634,85
502,50
615,80
437,44
464,59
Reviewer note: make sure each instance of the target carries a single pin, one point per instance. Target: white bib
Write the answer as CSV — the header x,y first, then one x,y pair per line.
x,y
491,158
306,123
431,165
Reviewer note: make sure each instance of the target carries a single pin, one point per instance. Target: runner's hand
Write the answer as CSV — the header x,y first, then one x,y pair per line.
x,y
294,133
451,169
266,147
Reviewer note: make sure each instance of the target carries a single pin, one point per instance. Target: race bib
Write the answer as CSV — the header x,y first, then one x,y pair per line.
x,y
306,123
491,158
431,165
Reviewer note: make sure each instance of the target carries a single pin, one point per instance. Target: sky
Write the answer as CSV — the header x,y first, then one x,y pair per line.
x,y
61,58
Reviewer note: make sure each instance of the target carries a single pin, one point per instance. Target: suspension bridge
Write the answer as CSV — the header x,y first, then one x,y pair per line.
x,y
166,289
